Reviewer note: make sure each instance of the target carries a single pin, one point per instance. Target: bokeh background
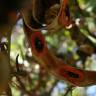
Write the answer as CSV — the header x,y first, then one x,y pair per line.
x,y
34,79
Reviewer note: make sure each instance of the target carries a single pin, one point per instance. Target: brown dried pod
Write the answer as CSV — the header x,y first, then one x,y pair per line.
x,y
47,13
40,7
4,71
51,15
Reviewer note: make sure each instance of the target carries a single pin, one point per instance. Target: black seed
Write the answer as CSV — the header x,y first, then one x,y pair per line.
x,y
38,44
73,75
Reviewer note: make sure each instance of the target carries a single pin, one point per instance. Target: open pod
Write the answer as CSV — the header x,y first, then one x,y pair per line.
x,y
54,65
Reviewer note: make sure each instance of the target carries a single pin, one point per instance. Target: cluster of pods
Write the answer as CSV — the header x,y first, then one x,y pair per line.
x,y
48,15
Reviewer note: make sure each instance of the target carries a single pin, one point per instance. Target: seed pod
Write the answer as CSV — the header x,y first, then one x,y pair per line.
x,y
54,65
4,71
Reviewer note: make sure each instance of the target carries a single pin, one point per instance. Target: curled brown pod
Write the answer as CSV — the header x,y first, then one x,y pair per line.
x,y
35,14
46,14
49,11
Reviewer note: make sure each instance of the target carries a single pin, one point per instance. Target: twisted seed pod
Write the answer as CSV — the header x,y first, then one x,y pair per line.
x,y
40,8
34,13
56,66
53,13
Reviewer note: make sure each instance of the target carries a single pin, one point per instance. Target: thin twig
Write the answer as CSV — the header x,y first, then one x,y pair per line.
x,y
68,90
